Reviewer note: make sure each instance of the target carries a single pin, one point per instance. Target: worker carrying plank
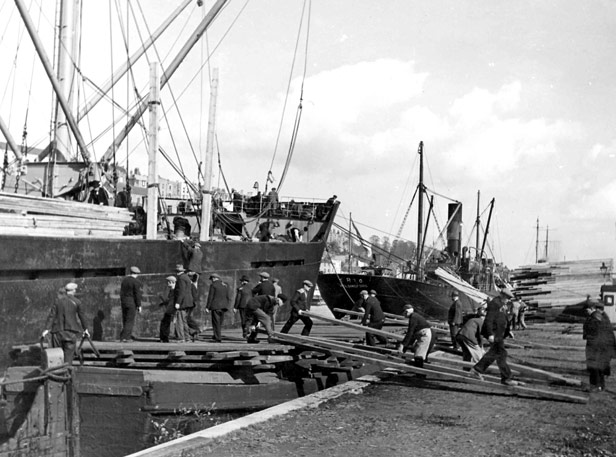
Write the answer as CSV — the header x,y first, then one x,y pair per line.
x,y
495,328
418,337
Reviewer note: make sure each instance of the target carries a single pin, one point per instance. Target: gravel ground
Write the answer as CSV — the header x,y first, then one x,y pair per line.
x,y
405,415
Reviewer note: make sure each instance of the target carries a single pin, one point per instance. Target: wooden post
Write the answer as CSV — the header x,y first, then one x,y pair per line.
x,y
154,103
206,196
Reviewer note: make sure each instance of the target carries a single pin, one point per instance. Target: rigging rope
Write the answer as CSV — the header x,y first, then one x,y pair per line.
x,y
298,113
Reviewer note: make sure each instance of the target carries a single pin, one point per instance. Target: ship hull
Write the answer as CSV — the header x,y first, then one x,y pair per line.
x,y
33,270
431,299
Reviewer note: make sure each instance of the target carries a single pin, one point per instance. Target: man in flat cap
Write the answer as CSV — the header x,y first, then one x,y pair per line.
x,y
265,286
130,301
373,318
360,304
183,298
259,310
299,302
218,302
169,310
62,320
455,317
418,336
600,344
495,328
242,295
469,335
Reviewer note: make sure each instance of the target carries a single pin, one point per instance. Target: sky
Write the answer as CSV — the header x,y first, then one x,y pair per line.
x,y
512,100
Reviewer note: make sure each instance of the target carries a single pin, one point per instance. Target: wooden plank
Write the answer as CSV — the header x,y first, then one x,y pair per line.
x,y
61,233
400,320
101,388
167,397
72,208
360,328
248,363
377,359
276,358
176,354
223,355
358,314
201,377
41,220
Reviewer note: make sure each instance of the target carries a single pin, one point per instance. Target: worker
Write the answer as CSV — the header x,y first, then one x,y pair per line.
x,y
418,336
495,329
299,302
62,320
373,318
469,336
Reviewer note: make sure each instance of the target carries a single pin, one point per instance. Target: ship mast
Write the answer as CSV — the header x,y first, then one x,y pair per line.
x,y
154,103
206,198
67,48
420,213
57,87
477,227
537,243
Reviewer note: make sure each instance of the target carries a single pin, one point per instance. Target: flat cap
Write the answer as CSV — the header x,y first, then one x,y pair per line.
x,y
179,267
171,278
283,297
408,306
373,292
70,286
214,276
455,293
264,274
245,278
135,270
197,245
364,292
308,283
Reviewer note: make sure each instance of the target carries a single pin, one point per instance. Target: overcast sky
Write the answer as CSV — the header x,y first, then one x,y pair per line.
x,y
511,99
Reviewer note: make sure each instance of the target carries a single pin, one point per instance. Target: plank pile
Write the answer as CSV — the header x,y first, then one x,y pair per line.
x,y
561,284
39,216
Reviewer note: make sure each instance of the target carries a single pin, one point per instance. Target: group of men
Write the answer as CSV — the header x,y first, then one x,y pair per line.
x,y
255,305
490,321
258,305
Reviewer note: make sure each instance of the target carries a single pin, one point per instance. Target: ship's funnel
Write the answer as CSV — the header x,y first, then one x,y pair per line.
x,y
454,230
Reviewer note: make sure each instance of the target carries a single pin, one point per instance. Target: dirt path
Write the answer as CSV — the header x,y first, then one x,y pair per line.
x,y
407,416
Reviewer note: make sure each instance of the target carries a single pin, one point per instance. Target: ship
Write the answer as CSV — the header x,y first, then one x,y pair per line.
x,y
420,281
38,258
51,234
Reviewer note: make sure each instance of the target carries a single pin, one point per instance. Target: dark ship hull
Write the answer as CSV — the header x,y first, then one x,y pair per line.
x,y
430,298
34,269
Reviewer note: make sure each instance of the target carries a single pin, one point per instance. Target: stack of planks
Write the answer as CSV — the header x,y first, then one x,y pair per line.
x,y
39,216
561,284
